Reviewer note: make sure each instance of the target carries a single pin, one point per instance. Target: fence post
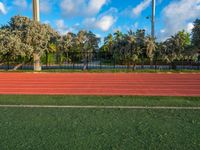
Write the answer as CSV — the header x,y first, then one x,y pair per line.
x,y
87,60
114,62
73,60
100,59
8,63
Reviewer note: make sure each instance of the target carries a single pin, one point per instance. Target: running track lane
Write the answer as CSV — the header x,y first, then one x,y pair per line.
x,y
100,84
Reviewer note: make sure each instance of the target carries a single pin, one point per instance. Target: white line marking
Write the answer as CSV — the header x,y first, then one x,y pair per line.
x,y
99,107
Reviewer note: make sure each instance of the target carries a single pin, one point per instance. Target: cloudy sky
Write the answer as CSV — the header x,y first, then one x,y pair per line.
x,y
107,16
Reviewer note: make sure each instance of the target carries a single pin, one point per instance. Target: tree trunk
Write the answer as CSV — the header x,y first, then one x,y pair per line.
x,y
18,66
47,58
156,64
37,65
85,65
142,67
134,66
8,62
151,63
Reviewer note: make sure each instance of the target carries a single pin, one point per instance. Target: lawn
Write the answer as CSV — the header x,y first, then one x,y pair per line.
x,y
110,71
99,129
99,100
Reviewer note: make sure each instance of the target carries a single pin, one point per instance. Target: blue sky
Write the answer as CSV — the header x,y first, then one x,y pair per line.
x,y
106,16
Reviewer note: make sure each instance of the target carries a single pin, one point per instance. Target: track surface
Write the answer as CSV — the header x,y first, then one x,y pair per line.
x,y
100,84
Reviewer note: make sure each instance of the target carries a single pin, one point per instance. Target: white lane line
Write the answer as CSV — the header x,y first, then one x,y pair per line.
x,y
99,107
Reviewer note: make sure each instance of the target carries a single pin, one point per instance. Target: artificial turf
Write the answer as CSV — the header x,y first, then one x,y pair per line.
x,y
99,129
99,100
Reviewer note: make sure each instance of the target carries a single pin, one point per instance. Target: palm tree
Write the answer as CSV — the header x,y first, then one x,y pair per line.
x,y
130,38
150,48
118,48
87,43
140,40
109,42
175,47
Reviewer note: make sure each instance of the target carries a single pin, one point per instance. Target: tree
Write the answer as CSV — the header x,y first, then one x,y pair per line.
x,y
174,47
118,47
12,48
108,43
33,34
150,47
87,44
52,46
140,40
65,44
131,54
196,34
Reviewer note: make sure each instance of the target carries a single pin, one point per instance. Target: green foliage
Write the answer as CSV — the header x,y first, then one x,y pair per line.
x,y
12,47
31,33
196,34
174,48
150,47
22,38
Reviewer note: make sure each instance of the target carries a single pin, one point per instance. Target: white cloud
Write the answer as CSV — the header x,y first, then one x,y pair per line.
x,y
60,24
104,23
71,8
64,29
2,9
178,14
89,22
190,26
61,27
162,31
95,6
46,22
141,7
98,35
20,3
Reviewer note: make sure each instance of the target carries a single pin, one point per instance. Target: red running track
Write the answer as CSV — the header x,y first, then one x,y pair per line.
x,y
100,84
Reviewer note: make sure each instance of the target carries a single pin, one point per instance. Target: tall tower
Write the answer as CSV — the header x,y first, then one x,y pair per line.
x,y
153,18
36,10
36,17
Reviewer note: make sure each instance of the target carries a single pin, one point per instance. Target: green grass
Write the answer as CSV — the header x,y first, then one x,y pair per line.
x,y
99,129
100,100
124,70
110,71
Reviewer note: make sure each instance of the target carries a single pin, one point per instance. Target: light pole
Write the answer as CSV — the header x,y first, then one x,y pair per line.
x,y
36,17
153,18
36,10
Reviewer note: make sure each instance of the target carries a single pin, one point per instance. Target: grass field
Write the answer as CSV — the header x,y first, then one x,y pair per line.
x,y
109,71
98,129
99,100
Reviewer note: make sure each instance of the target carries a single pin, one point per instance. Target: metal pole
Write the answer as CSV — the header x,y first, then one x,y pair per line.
x,y
36,17
153,18
36,10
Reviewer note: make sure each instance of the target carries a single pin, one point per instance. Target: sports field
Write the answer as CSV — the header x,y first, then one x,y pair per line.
x,y
27,123
50,111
